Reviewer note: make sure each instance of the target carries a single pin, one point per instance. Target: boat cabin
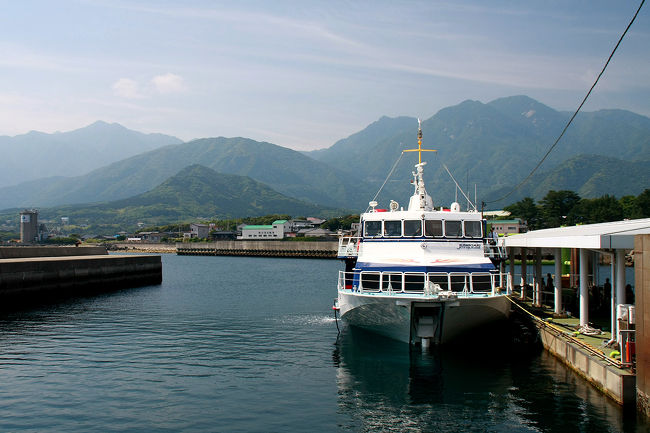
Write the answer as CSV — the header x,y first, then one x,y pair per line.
x,y
445,228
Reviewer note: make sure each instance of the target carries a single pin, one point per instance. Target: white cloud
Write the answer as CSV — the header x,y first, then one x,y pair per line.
x,y
168,83
127,88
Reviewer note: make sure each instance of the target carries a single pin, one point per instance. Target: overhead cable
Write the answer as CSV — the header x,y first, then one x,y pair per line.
x,y
576,112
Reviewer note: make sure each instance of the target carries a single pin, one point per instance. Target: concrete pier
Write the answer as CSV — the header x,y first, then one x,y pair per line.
x,y
52,274
614,240
324,249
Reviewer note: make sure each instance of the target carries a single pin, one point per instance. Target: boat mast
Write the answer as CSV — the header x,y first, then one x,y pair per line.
x,y
420,199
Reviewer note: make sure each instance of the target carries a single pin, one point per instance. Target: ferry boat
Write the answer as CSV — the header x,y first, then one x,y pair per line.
x,y
421,275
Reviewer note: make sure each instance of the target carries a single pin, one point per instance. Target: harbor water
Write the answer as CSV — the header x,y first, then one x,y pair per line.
x,y
241,344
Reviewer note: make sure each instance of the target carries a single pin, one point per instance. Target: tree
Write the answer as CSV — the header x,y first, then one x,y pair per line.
x,y
643,201
527,210
597,210
556,208
631,209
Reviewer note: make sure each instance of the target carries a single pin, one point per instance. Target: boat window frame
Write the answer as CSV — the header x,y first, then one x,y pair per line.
x,y
442,228
409,235
379,233
460,222
392,236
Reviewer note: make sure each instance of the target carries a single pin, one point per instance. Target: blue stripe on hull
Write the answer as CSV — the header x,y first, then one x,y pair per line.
x,y
388,267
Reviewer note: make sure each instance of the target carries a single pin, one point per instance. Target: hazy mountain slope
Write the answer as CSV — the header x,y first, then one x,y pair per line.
x,y
285,170
36,155
195,192
494,146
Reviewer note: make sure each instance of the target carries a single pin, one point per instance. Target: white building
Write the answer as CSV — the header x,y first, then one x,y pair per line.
x,y
260,232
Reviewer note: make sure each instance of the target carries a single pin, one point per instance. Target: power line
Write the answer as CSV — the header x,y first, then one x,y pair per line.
x,y
576,112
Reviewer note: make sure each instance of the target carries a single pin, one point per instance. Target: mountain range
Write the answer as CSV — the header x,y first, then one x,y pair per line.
x,y
496,145
488,148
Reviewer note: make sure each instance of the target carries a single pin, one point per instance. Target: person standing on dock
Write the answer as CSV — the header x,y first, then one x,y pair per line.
x,y
493,237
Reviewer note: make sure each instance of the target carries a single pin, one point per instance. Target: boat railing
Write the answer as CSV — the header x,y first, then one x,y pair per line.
x,y
349,246
429,283
494,251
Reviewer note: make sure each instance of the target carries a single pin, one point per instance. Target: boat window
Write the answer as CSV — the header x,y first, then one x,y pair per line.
x,y
392,281
453,229
412,228
433,228
372,228
370,281
393,228
473,229
481,283
414,283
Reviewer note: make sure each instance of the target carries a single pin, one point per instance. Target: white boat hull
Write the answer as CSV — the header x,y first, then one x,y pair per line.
x,y
391,315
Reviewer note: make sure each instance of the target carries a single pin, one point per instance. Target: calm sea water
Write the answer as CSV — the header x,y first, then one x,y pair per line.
x,y
230,344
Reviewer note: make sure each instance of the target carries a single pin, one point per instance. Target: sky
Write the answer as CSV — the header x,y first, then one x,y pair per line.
x,y
304,74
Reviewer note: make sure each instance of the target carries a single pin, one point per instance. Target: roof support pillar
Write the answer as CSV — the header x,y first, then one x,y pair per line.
x,y
584,293
524,252
620,277
558,280
511,274
537,298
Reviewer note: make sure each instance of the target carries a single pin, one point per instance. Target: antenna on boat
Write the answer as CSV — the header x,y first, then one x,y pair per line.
x,y
420,200
419,150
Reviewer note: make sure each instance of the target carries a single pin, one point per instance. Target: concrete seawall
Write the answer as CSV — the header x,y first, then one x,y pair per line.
x,y
618,384
34,280
28,252
325,249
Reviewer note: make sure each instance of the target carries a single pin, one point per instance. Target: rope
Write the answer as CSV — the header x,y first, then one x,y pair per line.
x,y
387,177
458,186
568,336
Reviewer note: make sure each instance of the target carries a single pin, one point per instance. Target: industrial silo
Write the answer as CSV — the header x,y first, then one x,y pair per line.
x,y
29,226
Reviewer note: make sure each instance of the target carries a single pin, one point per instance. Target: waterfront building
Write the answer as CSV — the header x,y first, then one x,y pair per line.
x,y
200,231
276,230
515,225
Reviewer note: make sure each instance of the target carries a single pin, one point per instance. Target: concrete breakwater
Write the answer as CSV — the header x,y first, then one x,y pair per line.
x,y
324,249
34,275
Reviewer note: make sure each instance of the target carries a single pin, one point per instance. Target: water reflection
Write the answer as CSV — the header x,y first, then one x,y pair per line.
x,y
384,385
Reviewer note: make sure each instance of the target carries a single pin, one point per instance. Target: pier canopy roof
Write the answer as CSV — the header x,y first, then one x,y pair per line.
x,y
612,235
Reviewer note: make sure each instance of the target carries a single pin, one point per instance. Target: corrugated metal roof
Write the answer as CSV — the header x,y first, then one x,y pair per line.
x,y
613,235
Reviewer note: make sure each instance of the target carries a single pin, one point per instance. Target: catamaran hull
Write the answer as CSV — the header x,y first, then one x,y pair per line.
x,y
400,317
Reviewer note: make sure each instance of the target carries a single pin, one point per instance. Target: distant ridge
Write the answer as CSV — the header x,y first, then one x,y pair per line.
x,y
36,154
